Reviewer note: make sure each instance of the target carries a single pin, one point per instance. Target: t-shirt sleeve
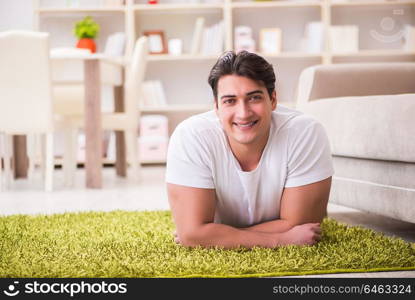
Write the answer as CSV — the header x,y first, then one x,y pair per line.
x,y
187,159
309,156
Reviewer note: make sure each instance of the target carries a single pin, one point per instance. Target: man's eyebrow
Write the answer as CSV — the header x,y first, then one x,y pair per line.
x,y
227,96
247,94
255,92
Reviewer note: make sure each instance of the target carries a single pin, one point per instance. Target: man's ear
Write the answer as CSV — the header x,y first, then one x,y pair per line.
x,y
274,100
216,105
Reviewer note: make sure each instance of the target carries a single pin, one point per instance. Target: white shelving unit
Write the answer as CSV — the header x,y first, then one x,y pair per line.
x,y
184,77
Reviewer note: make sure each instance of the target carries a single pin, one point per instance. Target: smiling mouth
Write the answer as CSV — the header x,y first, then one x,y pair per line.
x,y
245,125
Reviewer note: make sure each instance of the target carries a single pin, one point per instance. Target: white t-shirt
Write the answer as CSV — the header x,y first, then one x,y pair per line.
x,y
297,153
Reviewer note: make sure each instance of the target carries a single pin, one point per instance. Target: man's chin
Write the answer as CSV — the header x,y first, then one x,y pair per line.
x,y
244,140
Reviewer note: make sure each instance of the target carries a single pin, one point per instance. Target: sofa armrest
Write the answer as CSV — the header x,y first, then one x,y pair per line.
x,y
371,127
363,79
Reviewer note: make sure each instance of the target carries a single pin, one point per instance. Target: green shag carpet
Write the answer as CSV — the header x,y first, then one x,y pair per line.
x,y
140,244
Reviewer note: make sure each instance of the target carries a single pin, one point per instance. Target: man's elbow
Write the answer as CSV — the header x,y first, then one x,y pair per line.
x,y
193,238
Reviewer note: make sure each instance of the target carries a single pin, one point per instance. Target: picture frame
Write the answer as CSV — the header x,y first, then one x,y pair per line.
x,y
156,42
270,40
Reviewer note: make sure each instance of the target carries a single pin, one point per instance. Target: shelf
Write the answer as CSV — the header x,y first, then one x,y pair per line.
x,y
177,7
374,53
59,10
370,3
276,4
292,55
167,57
178,108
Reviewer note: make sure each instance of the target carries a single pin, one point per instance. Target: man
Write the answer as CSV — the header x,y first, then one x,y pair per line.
x,y
245,175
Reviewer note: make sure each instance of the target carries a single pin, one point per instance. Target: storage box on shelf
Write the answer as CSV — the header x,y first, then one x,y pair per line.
x,y
153,149
153,140
154,125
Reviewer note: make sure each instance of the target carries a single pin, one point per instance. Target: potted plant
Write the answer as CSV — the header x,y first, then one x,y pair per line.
x,y
86,30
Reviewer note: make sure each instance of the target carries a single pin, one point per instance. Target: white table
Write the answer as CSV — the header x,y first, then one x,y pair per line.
x,y
93,126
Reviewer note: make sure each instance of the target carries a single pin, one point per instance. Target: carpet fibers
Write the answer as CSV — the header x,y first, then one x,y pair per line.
x,y
140,244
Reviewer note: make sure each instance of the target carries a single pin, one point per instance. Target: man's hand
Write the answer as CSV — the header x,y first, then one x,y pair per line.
x,y
306,234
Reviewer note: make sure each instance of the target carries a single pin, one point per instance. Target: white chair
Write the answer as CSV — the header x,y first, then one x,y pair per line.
x,y
126,121
26,99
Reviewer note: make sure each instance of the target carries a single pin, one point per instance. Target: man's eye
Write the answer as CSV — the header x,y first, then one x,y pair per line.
x,y
256,97
228,101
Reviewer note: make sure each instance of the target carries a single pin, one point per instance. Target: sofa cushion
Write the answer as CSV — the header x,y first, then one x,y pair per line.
x,y
397,203
393,174
375,127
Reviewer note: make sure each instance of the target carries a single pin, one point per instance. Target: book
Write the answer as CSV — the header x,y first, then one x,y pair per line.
x,y
213,39
197,36
270,40
159,91
344,38
313,36
147,93
153,93
219,38
114,45
206,42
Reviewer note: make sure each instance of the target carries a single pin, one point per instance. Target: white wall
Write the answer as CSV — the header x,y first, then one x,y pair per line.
x,y
16,14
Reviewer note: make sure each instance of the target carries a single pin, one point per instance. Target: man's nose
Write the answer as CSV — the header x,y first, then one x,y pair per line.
x,y
243,110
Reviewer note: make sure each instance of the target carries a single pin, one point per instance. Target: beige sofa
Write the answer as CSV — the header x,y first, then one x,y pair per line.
x,y
368,111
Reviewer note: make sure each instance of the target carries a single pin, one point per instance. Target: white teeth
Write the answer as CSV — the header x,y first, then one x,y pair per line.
x,y
246,125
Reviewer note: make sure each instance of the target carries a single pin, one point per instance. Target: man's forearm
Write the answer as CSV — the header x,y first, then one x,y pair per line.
x,y
220,235
275,226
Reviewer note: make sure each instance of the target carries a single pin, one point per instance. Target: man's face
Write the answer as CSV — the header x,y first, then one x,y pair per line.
x,y
244,108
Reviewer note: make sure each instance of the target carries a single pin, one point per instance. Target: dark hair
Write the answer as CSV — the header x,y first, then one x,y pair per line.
x,y
245,64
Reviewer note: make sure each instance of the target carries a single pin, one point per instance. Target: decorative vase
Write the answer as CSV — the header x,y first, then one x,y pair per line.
x,y
86,43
